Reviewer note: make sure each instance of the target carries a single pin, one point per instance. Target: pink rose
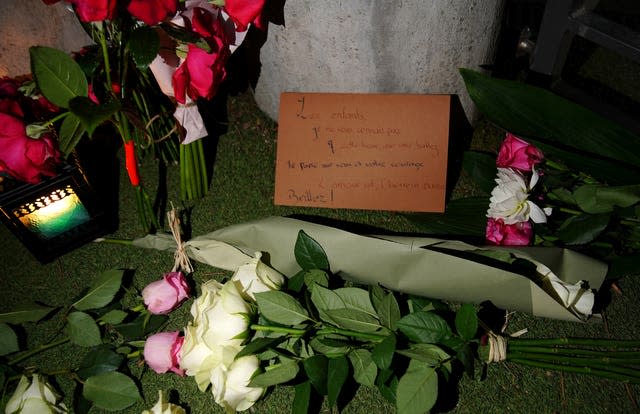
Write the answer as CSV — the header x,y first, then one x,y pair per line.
x,y
519,154
518,234
200,74
152,11
164,295
22,157
244,12
94,10
162,350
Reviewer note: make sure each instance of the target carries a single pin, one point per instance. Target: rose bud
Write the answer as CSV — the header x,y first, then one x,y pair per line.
x,y
162,350
164,295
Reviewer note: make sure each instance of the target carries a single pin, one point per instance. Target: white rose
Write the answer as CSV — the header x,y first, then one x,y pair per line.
x,y
256,276
226,320
164,407
214,337
234,393
509,198
34,396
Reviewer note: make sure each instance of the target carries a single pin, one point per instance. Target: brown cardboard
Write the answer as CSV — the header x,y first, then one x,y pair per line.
x,y
363,151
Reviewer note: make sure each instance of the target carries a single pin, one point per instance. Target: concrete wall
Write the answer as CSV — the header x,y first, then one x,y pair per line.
x,y
25,23
386,46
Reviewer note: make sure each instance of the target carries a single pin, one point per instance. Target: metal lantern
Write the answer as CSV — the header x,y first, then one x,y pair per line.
x,y
56,215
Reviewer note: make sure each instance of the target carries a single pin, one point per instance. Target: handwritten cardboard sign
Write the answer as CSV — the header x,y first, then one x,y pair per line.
x,y
363,151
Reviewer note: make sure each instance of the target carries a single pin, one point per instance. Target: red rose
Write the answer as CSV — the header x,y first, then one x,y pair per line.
x,y
518,234
25,158
211,26
11,107
8,87
94,10
244,12
152,11
200,74
519,154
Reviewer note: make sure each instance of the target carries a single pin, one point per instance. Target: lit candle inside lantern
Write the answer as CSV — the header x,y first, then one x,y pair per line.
x,y
54,214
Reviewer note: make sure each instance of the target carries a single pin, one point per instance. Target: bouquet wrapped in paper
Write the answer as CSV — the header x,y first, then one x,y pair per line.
x,y
548,282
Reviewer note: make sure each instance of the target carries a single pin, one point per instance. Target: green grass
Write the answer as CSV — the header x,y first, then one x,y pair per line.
x,y
242,189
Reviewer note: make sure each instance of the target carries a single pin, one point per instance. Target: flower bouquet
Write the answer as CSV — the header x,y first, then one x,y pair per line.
x,y
150,64
565,177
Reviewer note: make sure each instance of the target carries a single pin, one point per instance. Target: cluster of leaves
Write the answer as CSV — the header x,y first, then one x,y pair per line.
x,y
590,173
324,337
117,75
104,329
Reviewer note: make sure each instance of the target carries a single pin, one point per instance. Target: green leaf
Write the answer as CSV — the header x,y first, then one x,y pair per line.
x,y
296,282
364,369
301,398
309,254
356,298
144,45
597,199
83,330
338,373
376,294
430,354
70,133
534,112
277,374
112,391
463,216
102,291
417,390
281,307
424,327
140,326
481,166
382,353
604,170
466,322
101,359
389,311
389,388
59,78
316,368
114,317
354,320
8,340
562,194
316,276
325,299
583,229
466,356
90,114
258,345
28,312
330,347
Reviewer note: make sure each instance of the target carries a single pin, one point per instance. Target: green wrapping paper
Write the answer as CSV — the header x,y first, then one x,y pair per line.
x,y
434,268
